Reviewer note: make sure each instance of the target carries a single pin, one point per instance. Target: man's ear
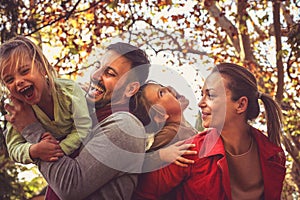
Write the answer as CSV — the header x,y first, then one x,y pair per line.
x,y
242,105
131,89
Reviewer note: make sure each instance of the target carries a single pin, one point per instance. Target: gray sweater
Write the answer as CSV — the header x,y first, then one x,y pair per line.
x,y
107,165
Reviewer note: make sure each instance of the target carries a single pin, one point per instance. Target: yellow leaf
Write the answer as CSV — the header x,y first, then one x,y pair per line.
x,y
164,19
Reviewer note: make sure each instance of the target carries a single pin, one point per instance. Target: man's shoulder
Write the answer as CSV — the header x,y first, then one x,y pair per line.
x,y
124,117
122,129
122,121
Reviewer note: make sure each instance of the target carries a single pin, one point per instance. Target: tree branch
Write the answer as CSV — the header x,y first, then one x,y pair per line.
x,y
174,40
279,63
246,53
257,29
224,23
66,16
287,15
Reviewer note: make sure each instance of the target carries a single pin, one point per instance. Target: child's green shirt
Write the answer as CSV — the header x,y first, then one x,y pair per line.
x,y
71,124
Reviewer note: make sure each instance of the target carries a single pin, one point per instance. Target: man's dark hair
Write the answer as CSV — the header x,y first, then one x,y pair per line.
x,y
136,56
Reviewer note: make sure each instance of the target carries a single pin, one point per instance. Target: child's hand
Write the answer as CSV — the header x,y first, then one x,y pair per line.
x,y
174,153
20,114
47,149
85,86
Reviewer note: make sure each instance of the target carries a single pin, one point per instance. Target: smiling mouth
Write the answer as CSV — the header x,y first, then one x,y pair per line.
x,y
96,90
27,92
204,114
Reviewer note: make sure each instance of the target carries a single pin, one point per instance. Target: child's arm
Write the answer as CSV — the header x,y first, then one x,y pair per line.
x,y
17,146
24,152
174,153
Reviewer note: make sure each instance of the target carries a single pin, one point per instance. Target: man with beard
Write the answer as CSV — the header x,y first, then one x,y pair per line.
x,y
112,155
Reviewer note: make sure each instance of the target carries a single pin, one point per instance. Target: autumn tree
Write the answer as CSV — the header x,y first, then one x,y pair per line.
x,y
263,36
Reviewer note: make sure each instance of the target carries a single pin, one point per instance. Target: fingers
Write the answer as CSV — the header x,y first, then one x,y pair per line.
x,y
185,160
15,101
49,138
180,164
189,152
85,86
186,146
9,108
10,118
55,157
58,154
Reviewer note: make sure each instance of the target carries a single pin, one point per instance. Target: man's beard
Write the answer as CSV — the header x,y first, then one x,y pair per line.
x,y
116,98
102,103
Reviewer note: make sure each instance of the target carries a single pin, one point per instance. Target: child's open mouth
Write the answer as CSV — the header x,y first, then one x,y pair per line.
x,y
27,91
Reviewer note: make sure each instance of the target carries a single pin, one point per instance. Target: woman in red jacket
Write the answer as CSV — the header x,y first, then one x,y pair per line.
x,y
235,160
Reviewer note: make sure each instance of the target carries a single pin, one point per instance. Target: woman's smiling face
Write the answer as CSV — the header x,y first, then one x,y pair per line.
x,y
216,106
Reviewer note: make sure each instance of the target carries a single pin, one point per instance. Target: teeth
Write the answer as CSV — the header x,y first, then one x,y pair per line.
x,y
24,89
97,88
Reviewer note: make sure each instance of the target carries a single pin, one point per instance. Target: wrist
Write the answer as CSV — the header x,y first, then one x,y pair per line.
x,y
33,151
161,154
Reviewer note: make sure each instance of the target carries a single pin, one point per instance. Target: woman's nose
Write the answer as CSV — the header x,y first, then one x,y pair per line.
x,y
201,103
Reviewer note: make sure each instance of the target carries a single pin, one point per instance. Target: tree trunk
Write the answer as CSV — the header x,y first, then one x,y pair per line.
x,y
279,63
245,43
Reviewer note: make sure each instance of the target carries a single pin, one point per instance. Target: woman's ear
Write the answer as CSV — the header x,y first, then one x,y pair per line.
x,y
242,105
131,89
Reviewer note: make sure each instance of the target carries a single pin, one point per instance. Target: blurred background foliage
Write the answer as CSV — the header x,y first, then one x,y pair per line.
x,y
263,36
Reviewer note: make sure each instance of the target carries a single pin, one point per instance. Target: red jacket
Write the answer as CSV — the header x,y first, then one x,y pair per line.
x,y
208,177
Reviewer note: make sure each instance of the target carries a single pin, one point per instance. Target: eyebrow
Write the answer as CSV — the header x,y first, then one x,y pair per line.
x,y
209,89
110,68
22,67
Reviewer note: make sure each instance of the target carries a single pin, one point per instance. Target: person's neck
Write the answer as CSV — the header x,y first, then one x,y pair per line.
x,y
108,109
175,118
237,138
46,104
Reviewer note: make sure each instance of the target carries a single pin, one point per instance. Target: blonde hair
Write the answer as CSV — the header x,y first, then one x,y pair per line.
x,y
15,52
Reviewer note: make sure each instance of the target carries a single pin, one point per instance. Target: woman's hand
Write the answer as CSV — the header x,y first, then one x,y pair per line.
x,y
174,153
20,114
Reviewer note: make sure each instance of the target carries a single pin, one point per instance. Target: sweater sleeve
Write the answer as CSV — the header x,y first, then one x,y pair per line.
x,y
17,146
116,147
164,137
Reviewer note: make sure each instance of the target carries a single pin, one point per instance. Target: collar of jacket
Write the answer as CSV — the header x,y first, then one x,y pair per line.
x,y
106,111
212,144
